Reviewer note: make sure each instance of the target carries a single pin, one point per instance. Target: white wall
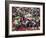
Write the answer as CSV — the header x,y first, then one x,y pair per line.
x,y
2,19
